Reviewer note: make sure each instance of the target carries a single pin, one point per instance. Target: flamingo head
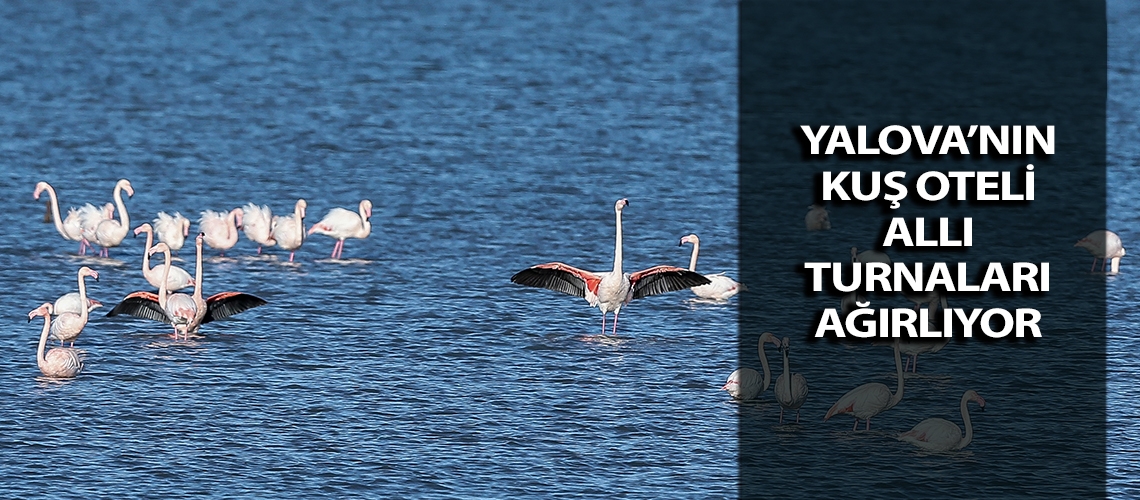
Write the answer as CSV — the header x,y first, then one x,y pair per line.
x,y
768,337
1084,243
40,187
143,228
622,203
972,395
692,238
854,253
366,209
238,214
125,185
109,211
158,248
785,345
198,239
43,310
185,226
300,208
92,304
87,271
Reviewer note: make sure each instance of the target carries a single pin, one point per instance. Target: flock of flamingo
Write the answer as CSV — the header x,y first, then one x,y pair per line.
x,y
94,226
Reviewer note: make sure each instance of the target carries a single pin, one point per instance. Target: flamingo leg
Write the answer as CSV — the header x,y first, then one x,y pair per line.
x,y
615,323
915,367
83,246
797,416
1093,266
290,256
868,424
603,324
259,250
853,429
781,414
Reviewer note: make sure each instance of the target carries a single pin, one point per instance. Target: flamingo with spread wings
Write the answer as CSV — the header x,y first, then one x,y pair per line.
x,y
609,291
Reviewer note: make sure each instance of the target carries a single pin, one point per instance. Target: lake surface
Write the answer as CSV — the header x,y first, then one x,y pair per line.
x,y
489,138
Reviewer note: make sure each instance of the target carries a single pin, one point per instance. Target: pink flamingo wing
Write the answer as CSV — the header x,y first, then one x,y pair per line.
x,y
661,279
560,278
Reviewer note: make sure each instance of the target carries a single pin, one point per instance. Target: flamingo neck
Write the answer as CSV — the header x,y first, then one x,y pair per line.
x,y
40,359
617,245
165,275
146,251
55,211
787,373
124,219
198,270
764,364
693,258
898,395
966,420
82,299
299,216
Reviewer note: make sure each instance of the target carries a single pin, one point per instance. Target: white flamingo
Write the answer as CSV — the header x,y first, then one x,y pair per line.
x,y
289,230
746,383
90,216
257,224
720,287
172,229
791,389
110,232
64,362
609,291
221,228
869,256
871,399
69,228
1103,244
817,218
70,302
939,434
68,325
342,224
176,277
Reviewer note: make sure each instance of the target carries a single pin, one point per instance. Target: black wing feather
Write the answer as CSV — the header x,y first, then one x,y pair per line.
x,y
230,305
667,281
551,279
140,308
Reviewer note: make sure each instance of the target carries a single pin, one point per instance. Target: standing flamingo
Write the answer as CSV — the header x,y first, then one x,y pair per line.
x,y
817,218
257,223
289,230
1103,244
71,302
110,232
721,287
68,325
64,362
609,291
939,434
791,389
186,315
176,277
870,399
69,228
343,224
172,229
90,216
221,229
869,256
745,383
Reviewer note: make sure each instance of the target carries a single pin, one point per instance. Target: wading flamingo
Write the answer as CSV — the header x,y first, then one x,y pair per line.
x,y
289,230
609,291
1103,244
342,224
68,325
817,218
69,228
221,229
64,362
257,222
110,232
720,287
90,216
791,389
148,305
176,277
745,383
871,399
939,434
70,302
172,229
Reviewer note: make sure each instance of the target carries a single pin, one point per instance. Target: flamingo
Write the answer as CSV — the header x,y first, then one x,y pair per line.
x,y
221,229
70,302
172,230
185,315
69,228
176,277
869,256
289,230
110,232
343,224
609,291
64,362
817,218
939,434
257,223
791,389
870,399
721,287
68,325
1103,244
745,383
90,217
